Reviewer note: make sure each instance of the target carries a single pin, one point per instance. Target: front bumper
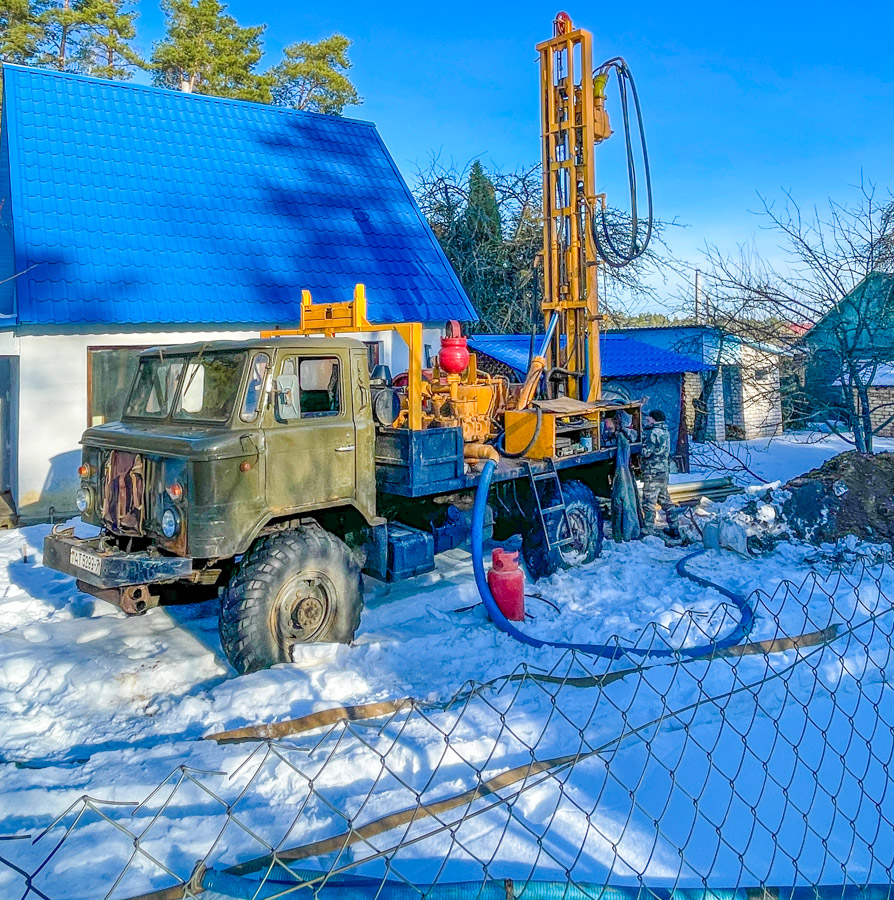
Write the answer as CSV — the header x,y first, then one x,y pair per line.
x,y
97,562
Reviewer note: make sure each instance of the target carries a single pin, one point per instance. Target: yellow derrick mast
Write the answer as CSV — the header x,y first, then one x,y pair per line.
x,y
573,121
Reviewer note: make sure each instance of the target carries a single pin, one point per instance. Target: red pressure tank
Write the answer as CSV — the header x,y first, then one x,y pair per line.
x,y
454,355
507,583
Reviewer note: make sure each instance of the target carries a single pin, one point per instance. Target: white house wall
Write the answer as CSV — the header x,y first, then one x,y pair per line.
x,y
53,411
52,405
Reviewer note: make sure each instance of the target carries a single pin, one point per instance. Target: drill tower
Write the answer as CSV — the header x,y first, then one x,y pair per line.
x,y
573,121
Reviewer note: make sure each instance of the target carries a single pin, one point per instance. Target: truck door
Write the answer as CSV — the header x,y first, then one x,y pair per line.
x,y
310,434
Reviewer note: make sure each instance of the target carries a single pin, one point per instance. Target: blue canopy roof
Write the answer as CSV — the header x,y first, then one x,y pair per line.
x,y
124,204
622,357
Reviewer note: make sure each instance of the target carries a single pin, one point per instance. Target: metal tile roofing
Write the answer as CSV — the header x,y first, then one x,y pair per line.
x,y
622,357
129,205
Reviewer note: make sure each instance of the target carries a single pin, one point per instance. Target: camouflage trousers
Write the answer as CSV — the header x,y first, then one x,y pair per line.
x,y
655,493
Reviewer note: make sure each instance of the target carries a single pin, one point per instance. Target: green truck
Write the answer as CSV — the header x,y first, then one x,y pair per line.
x,y
259,472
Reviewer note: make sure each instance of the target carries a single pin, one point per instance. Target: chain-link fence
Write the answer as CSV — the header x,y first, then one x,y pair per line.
x,y
762,769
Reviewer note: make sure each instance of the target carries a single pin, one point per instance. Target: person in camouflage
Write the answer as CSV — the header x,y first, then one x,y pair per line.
x,y
655,461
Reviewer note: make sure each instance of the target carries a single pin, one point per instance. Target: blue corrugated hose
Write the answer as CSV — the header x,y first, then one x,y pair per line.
x,y
359,888
738,634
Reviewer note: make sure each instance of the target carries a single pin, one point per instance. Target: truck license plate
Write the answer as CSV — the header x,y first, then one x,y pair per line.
x,y
88,561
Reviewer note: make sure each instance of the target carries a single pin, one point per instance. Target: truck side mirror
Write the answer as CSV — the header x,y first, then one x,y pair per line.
x,y
287,398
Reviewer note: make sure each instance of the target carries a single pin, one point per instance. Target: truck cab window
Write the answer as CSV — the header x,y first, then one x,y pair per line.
x,y
155,386
210,386
317,382
254,391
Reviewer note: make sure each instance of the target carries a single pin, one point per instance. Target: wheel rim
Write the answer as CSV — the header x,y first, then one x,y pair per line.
x,y
303,610
575,553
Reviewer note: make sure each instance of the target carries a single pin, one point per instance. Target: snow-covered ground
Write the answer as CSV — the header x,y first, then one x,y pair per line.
x,y
766,769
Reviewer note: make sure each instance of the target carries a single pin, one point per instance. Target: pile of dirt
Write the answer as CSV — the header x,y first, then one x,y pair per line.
x,y
852,493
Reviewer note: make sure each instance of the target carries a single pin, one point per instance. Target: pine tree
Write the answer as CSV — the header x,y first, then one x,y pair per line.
x,y
485,257
21,31
59,46
89,36
109,28
482,211
312,76
206,51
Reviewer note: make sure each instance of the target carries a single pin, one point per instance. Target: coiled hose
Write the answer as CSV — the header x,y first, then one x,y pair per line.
x,y
606,245
606,651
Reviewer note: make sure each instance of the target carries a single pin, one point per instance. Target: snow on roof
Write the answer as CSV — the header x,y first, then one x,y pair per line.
x,y
884,376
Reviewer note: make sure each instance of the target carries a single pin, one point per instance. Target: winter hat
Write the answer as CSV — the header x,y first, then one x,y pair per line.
x,y
657,415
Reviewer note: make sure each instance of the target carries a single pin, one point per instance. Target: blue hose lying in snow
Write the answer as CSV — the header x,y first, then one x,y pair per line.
x,y
736,636
363,888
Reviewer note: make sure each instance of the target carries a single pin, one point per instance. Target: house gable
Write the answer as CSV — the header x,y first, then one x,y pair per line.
x,y
861,324
137,205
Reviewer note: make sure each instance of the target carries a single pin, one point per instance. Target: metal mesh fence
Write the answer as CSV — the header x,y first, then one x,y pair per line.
x,y
763,769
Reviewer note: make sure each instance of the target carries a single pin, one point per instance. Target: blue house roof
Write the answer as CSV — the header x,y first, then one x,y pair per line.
x,y
126,205
622,357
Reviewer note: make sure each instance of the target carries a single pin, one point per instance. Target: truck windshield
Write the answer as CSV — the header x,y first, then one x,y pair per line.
x,y
208,384
155,386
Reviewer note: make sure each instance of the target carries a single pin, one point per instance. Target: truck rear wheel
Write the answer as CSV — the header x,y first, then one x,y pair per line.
x,y
299,587
585,518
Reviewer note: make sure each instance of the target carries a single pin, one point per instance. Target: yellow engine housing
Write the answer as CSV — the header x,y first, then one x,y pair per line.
x,y
469,401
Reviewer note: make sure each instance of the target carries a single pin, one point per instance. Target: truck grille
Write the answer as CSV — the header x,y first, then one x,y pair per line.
x,y
123,495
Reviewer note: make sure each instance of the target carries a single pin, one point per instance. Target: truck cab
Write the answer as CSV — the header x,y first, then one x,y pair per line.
x,y
222,445
218,440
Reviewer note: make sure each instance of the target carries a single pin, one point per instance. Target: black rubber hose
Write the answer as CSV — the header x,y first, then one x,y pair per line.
x,y
605,244
499,441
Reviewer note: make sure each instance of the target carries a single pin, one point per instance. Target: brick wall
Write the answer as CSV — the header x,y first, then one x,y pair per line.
x,y
761,395
716,412
692,387
881,400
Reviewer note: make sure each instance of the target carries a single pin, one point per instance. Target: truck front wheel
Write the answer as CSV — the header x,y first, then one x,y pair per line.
x,y
299,587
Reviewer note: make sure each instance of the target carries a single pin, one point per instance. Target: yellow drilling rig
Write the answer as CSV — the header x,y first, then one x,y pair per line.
x,y
308,465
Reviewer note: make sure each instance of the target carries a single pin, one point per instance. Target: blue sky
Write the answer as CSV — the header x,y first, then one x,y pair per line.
x,y
738,98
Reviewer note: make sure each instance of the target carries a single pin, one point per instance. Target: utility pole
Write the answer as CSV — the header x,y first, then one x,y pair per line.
x,y
698,295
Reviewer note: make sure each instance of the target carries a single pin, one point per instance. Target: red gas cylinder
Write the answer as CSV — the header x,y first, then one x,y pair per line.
x,y
454,355
507,583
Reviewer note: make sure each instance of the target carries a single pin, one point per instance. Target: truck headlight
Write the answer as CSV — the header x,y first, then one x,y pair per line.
x,y
84,499
170,523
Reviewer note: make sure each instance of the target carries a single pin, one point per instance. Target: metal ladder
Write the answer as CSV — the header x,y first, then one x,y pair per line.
x,y
544,479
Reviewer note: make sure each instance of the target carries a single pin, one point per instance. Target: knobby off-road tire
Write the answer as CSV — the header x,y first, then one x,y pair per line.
x,y
585,517
299,587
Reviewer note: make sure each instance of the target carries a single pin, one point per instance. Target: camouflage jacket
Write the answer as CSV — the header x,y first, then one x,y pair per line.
x,y
656,451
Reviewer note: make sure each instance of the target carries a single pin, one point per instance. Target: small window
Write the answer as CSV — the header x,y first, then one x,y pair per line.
x,y
374,353
254,392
